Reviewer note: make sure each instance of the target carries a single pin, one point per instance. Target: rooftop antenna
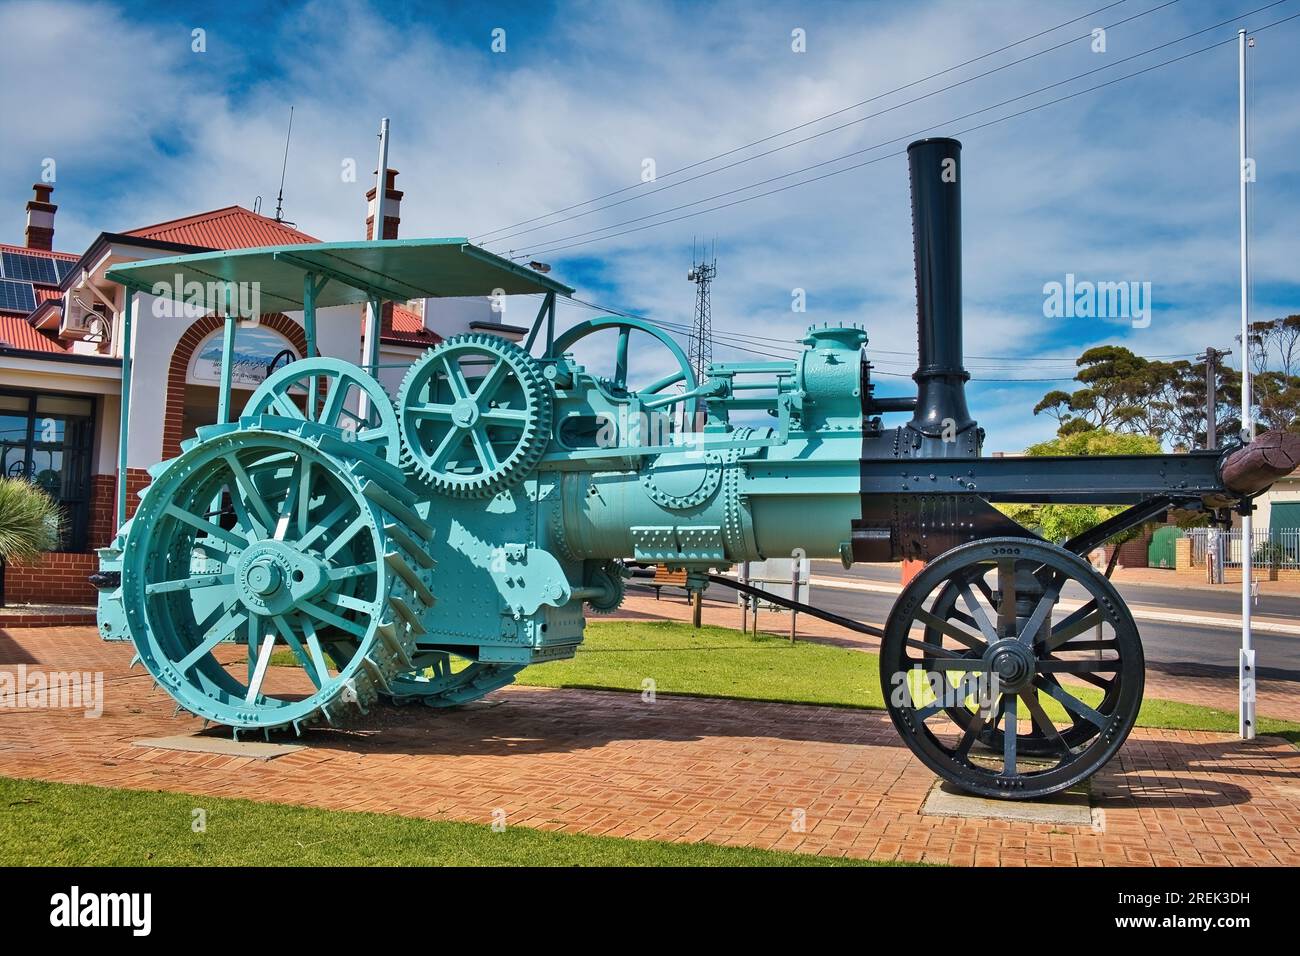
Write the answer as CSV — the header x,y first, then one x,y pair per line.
x,y
279,199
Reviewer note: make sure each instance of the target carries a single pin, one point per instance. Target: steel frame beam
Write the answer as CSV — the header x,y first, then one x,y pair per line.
x,y
1124,479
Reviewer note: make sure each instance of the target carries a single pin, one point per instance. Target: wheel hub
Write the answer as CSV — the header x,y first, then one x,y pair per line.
x,y
465,413
264,578
1012,663
273,577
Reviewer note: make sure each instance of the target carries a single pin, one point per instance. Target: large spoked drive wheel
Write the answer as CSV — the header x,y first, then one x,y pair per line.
x,y
995,685
276,574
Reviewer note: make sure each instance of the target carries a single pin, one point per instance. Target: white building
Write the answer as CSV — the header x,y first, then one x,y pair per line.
x,y
61,364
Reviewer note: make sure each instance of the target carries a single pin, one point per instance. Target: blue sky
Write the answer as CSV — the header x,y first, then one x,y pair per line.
x,y
1134,182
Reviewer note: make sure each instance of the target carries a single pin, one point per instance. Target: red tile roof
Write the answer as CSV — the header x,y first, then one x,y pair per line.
x,y
44,293
17,334
66,256
408,329
231,228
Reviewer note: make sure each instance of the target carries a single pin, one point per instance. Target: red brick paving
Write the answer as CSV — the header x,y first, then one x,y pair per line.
x,y
680,769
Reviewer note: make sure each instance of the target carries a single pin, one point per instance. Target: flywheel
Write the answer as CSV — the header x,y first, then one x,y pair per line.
x,y
332,392
475,415
275,574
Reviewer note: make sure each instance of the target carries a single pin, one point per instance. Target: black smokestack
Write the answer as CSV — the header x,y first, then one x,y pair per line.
x,y
935,169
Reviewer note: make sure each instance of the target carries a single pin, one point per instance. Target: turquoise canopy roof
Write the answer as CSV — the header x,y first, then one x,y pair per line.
x,y
391,269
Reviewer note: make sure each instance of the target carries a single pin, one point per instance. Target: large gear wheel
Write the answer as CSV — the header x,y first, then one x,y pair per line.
x,y
607,577
474,414
276,538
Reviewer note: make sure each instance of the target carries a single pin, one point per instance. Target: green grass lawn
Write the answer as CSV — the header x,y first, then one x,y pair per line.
x,y
58,824
719,662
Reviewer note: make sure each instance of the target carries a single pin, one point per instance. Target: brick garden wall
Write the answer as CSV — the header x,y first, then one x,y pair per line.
x,y
60,577
1133,553
57,578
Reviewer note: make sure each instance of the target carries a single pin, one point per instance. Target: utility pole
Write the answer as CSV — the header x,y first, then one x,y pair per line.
x,y
700,353
1212,358
1246,664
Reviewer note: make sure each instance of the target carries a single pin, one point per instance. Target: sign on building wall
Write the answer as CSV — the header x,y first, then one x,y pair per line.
x,y
258,352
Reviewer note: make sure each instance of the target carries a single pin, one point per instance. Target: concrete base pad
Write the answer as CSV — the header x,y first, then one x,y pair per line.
x,y
205,744
1071,808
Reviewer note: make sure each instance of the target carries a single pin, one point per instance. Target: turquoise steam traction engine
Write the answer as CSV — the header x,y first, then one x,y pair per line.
x,y
425,547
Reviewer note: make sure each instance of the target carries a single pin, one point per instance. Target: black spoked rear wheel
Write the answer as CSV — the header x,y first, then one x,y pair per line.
x,y
1001,686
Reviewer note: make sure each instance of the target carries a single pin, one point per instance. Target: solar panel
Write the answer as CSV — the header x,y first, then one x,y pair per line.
x,y
64,266
17,296
20,265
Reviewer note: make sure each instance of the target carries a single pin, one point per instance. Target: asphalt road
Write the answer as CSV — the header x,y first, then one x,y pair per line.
x,y
1170,648
1190,600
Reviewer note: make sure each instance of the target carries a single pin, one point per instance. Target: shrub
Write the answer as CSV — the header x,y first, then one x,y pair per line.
x,y
29,521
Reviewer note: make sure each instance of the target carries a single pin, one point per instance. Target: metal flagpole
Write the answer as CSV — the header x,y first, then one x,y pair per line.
x,y
1246,665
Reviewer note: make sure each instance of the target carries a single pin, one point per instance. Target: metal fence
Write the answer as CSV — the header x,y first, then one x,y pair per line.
x,y
1278,549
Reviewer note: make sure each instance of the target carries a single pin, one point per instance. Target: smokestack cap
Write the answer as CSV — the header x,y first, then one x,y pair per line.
x,y
934,141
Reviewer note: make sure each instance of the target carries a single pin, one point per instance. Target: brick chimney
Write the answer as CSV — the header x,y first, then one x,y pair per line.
x,y
392,219
40,218
392,207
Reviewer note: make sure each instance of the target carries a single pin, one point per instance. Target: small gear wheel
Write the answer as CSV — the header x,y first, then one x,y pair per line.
x,y
610,577
474,414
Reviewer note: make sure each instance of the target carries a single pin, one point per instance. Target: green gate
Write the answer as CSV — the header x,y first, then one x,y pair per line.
x,y
1284,516
1284,533
1162,550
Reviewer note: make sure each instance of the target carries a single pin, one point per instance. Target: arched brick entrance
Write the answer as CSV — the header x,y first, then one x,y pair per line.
x,y
174,416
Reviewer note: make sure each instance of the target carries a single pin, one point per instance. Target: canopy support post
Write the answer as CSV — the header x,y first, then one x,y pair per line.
x,y
370,345
124,406
227,363
310,289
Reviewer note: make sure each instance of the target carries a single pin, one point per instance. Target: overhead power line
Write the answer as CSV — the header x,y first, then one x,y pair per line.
x,y
723,340
846,125
566,244
838,112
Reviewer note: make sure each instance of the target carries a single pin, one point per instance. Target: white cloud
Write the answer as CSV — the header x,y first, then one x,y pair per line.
x,y
1136,181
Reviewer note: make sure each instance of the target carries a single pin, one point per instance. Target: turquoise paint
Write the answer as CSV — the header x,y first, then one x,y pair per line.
x,y
426,549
